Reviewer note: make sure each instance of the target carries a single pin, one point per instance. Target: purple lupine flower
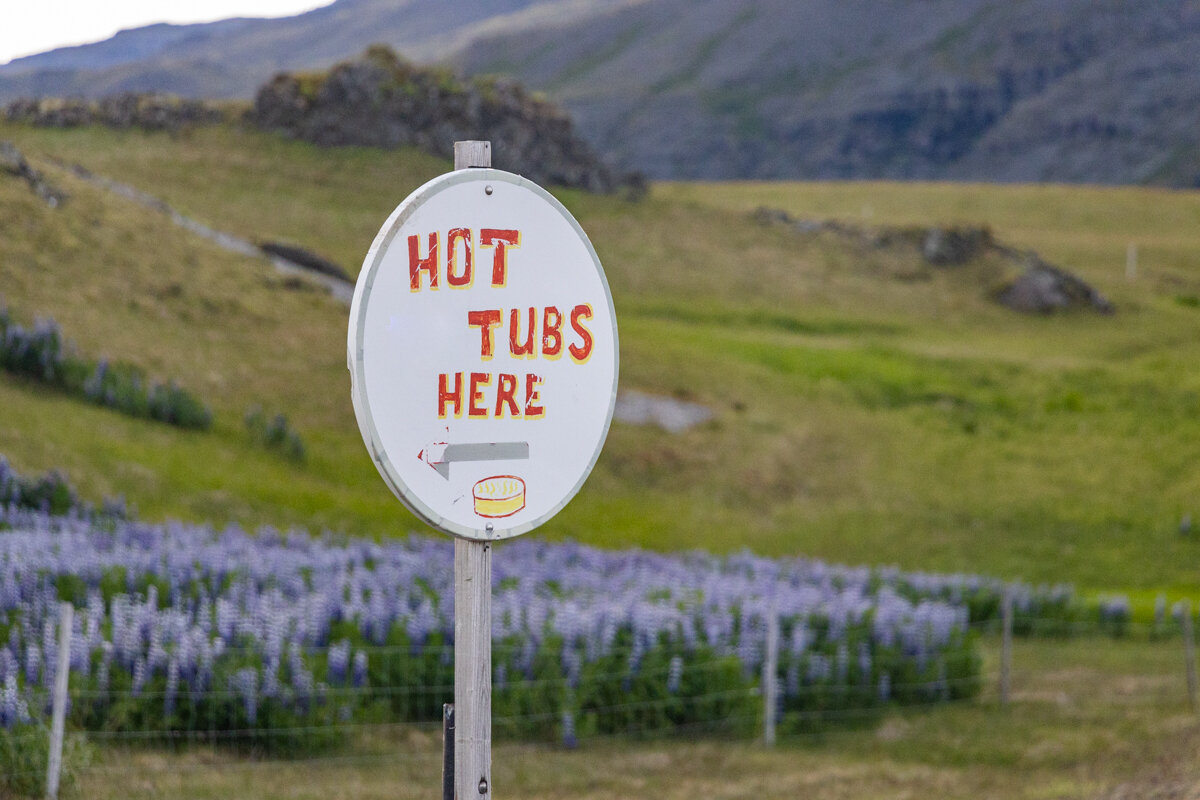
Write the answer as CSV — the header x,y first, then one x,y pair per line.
x,y
13,709
338,663
244,683
675,674
172,686
819,668
33,664
8,662
568,730
359,676
139,677
102,672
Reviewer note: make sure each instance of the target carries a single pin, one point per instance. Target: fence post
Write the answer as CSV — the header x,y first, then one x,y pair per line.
x,y
1189,652
66,613
770,677
1006,616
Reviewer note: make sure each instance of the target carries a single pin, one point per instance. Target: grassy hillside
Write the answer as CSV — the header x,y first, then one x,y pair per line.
x,y
868,409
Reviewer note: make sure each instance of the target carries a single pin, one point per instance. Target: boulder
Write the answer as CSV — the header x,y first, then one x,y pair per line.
x,y
305,258
13,163
1044,289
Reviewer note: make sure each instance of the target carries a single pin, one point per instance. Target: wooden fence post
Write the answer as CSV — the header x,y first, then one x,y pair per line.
x,y
66,613
1189,652
770,677
1006,616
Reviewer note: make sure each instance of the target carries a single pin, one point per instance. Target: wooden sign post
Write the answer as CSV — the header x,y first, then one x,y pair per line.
x,y
483,357
472,622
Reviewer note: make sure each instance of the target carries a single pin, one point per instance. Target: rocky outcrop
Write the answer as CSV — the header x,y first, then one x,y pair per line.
x,y
939,246
380,100
12,162
306,259
146,111
1038,287
1044,289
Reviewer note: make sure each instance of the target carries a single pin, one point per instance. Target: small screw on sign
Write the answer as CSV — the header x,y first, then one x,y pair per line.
x,y
483,785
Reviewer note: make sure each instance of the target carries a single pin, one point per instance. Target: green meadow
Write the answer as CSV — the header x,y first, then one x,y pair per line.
x,y
868,408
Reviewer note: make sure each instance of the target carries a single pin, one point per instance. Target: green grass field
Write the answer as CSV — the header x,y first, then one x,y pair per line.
x,y
868,409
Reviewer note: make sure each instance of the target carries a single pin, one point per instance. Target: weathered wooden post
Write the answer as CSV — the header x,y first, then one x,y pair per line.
x,y
472,618
1189,652
58,714
472,668
770,677
483,356
1006,616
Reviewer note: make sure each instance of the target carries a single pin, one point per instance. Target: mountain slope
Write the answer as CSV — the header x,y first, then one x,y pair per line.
x,y
231,58
1035,90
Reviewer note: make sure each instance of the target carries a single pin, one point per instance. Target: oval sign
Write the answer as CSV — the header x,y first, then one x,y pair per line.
x,y
483,354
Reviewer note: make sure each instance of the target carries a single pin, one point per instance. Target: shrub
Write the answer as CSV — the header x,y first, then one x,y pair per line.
x,y
52,493
36,353
275,434
123,388
24,751
25,748
43,355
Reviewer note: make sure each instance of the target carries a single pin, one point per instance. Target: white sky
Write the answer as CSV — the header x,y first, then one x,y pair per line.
x,y
34,26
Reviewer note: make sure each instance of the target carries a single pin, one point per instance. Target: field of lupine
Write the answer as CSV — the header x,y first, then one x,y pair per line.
x,y
276,641
186,628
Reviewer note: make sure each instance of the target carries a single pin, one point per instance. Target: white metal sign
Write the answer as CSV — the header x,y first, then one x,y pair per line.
x,y
483,354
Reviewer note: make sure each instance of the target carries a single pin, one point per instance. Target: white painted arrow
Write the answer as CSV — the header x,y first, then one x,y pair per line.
x,y
441,455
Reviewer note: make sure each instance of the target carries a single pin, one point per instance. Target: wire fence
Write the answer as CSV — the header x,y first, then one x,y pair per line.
x,y
552,711
365,742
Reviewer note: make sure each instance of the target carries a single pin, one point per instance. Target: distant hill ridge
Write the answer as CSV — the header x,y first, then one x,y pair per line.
x,y
1036,90
377,100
